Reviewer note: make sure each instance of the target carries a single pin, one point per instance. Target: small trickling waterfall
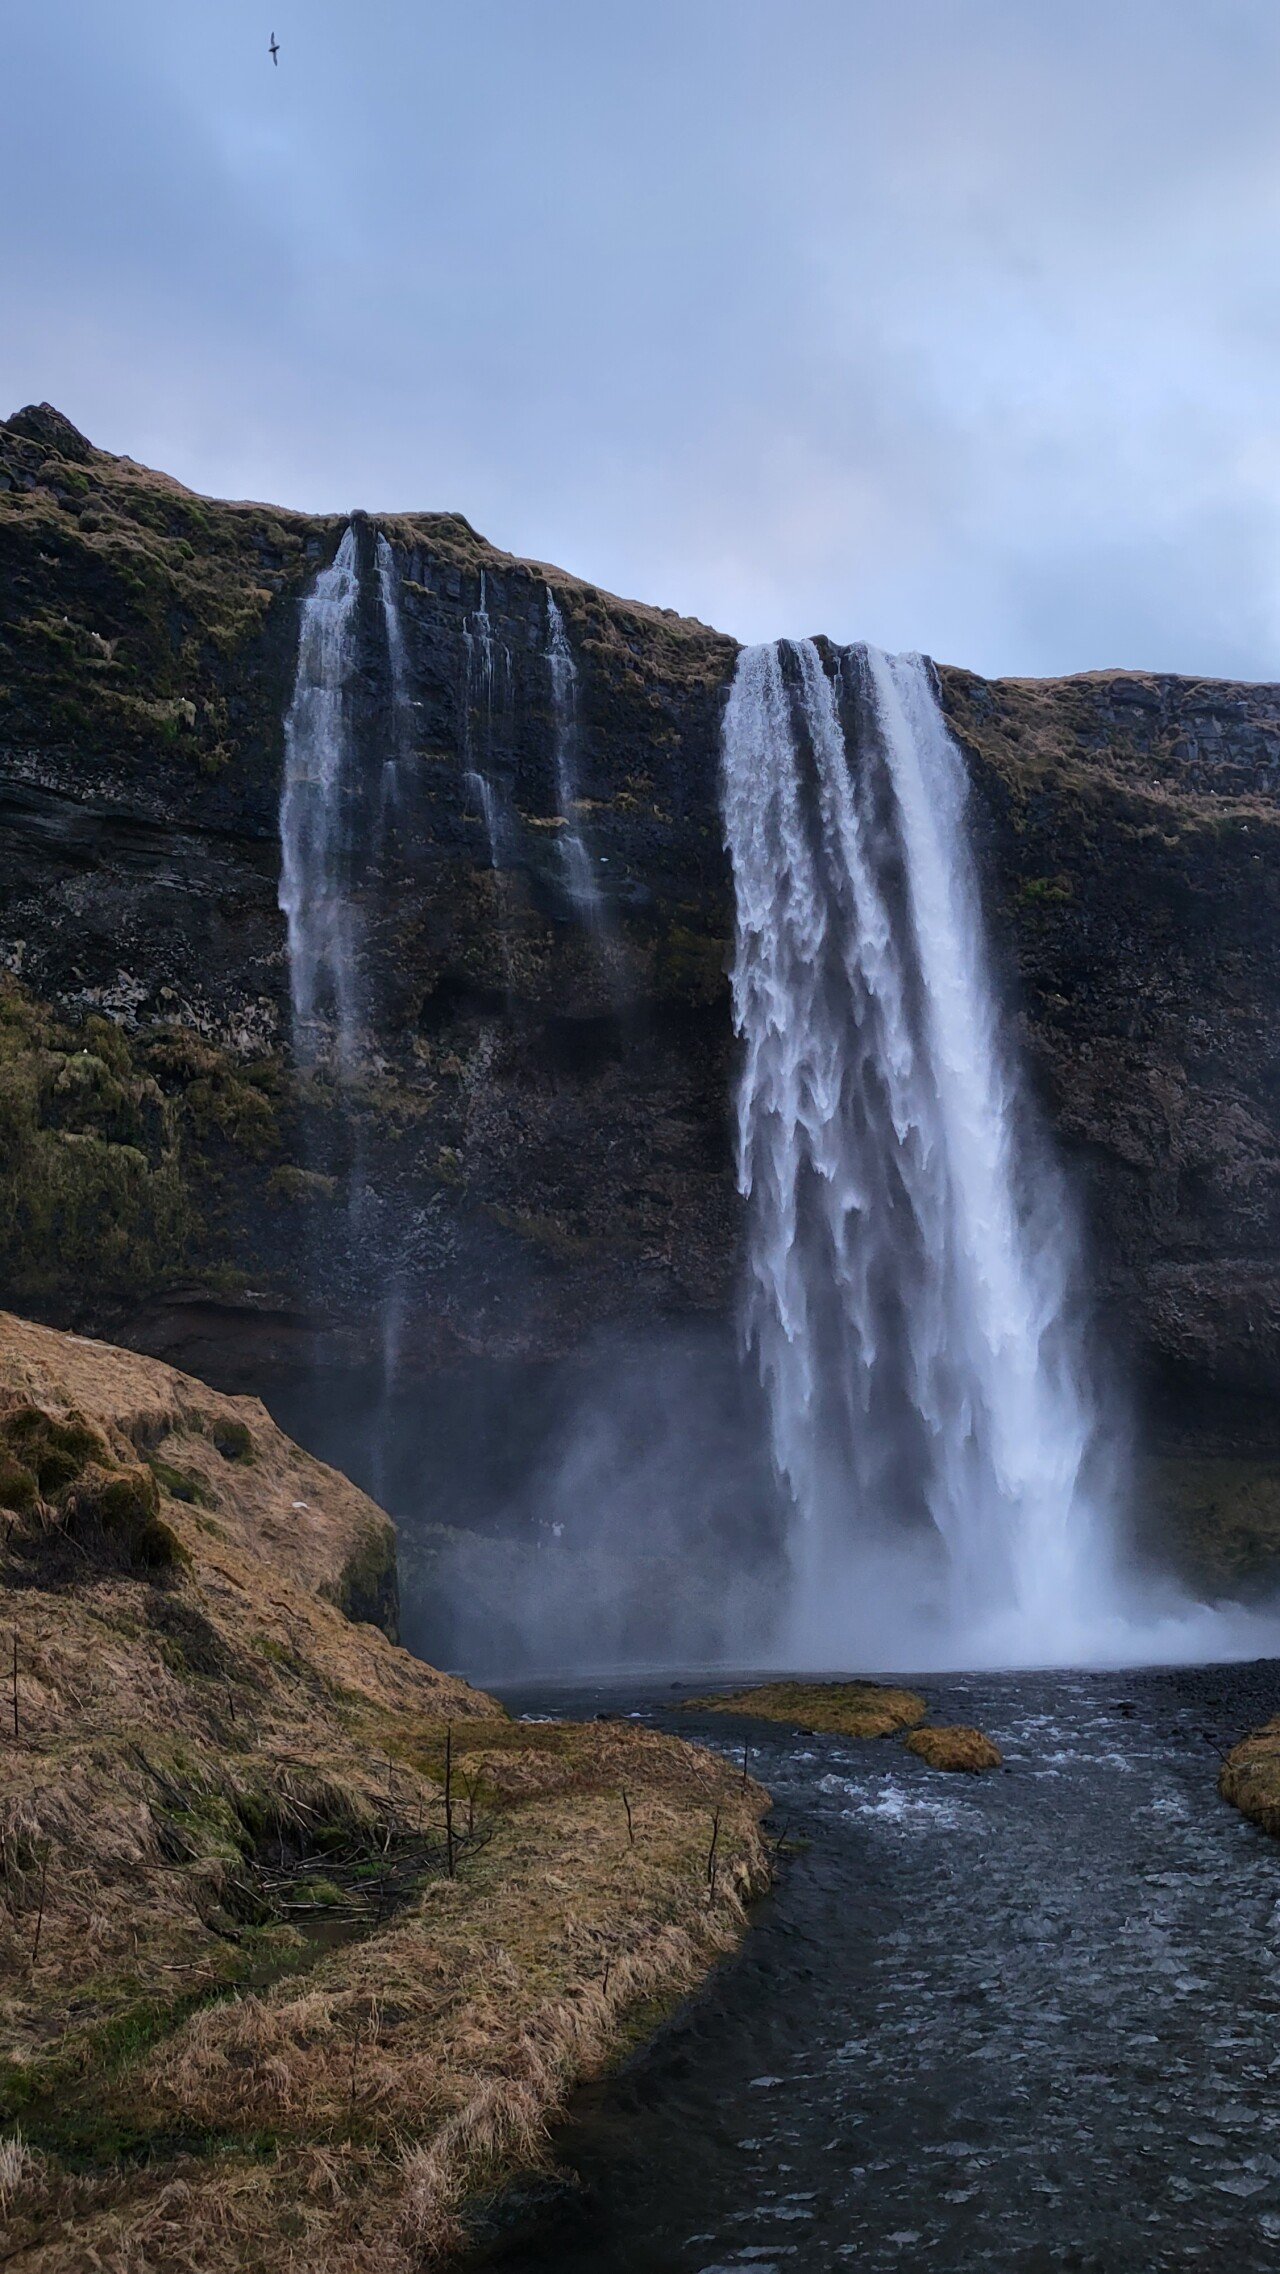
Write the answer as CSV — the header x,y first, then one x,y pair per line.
x,y
909,1253
579,877
488,672
389,788
315,894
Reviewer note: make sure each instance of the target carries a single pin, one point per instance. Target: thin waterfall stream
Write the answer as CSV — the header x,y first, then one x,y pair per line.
x,y
315,849
579,876
485,661
323,865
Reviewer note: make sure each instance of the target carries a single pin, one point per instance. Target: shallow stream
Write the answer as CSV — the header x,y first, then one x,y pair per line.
x,y
1025,2021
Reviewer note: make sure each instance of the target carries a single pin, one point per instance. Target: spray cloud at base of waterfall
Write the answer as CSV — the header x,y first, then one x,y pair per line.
x,y
911,1299
607,1510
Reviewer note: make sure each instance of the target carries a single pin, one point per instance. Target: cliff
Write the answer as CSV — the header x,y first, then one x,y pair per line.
x,y
541,1112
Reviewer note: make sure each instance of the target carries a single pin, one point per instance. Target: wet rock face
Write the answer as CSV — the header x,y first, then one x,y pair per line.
x,y
540,1122
1131,834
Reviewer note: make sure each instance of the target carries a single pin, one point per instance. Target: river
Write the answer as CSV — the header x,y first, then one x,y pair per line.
x,y
1025,2021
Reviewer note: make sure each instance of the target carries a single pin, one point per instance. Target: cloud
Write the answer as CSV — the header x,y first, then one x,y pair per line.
x,y
948,326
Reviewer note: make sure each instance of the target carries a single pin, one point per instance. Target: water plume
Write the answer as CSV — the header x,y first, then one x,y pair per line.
x,y
910,1298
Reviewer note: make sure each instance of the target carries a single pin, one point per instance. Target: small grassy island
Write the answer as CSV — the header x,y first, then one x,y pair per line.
x,y
301,1941
961,1749
860,1710
835,1709
1250,1777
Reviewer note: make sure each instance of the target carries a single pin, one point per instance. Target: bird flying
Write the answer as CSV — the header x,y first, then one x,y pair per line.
x,y
274,50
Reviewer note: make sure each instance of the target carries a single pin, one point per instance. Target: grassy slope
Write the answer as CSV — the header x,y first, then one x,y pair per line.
x,y
248,2017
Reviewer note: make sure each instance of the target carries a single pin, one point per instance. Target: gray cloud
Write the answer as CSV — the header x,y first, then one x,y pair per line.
x,y
947,323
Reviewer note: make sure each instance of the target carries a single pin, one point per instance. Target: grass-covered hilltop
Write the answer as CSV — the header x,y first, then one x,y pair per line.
x,y
547,1125
300,1940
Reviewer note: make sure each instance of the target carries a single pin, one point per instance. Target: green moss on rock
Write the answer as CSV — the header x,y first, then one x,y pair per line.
x,y
233,1439
368,1588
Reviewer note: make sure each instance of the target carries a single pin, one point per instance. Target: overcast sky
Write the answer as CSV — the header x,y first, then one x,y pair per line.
x,y
950,324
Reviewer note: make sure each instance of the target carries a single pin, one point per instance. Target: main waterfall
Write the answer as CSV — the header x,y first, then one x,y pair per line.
x,y
910,1252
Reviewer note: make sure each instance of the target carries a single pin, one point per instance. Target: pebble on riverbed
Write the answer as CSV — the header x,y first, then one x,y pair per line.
x,y
955,1748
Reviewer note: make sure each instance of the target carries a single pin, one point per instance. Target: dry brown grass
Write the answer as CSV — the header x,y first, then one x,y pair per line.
x,y
201,2070
956,1747
837,1709
250,1490
1250,1777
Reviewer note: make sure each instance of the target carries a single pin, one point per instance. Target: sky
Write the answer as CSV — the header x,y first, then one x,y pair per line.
x,y
947,324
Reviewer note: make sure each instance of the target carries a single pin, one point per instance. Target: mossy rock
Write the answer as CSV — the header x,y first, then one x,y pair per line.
x,y
1217,1520
116,1512
292,1183
181,1484
233,1439
19,1491
52,1451
958,1748
77,1508
835,1709
368,1588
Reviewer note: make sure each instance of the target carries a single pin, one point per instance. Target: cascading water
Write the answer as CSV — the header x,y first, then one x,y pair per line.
x,y
389,788
579,877
315,894
485,660
909,1257
326,814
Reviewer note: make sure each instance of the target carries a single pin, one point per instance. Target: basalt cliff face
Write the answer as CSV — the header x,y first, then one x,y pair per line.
x,y
540,1113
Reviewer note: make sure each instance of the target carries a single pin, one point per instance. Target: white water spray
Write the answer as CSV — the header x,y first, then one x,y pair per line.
x,y
909,1249
314,893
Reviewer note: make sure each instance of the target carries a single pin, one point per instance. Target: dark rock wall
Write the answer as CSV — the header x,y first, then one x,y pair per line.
x,y
540,1128
1132,835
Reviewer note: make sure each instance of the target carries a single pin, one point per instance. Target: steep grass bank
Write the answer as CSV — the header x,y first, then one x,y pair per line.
x,y
300,1941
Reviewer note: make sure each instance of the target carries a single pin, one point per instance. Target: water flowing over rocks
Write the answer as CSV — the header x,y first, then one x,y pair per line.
x,y
546,1127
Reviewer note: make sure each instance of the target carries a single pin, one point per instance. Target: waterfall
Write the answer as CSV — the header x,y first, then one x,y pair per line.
x,y
485,659
579,876
332,834
389,788
314,893
389,598
910,1257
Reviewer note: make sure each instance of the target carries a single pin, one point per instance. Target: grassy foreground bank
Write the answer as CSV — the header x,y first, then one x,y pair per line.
x,y
301,1942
